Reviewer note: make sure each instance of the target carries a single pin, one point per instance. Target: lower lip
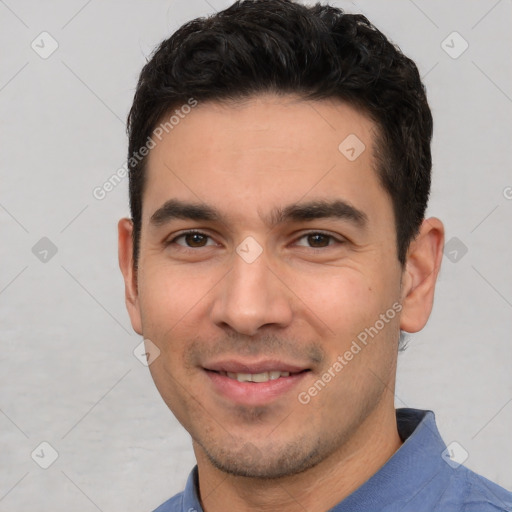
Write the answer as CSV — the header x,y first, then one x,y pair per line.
x,y
253,393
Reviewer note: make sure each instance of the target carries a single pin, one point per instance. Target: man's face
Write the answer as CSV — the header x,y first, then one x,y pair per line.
x,y
266,289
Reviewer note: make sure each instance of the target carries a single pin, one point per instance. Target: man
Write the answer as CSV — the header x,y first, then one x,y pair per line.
x,y
279,174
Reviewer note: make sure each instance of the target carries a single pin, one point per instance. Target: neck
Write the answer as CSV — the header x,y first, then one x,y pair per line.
x,y
317,489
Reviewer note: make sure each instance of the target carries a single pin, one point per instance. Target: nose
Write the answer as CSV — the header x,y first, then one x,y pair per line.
x,y
252,296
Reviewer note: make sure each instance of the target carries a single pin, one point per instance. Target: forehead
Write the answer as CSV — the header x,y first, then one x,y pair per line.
x,y
277,149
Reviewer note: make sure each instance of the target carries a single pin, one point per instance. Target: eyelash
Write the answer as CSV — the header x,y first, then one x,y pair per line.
x,y
193,231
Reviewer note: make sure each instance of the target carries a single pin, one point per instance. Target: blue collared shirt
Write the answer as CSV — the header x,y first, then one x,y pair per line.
x,y
422,476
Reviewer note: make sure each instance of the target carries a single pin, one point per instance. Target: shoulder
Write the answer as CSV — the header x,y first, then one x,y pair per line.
x,y
484,495
477,494
174,504
186,501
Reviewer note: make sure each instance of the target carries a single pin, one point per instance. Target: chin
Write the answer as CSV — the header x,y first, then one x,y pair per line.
x,y
266,462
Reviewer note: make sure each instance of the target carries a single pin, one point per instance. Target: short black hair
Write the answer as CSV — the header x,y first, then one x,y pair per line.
x,y
316,52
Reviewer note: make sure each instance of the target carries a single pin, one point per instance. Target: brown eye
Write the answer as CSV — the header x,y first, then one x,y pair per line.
x,y
195,239
192,240
317,240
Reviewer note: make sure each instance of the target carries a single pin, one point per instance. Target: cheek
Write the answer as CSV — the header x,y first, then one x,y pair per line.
x,y
349,304
170,301
342,299
170,294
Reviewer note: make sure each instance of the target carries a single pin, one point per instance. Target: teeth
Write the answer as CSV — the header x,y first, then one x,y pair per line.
x,y
260,377
257,377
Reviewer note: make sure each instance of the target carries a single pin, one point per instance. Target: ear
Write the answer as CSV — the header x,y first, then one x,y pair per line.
x,y
125,252
420,275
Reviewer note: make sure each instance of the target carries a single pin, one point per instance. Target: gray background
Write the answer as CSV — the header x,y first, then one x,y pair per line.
x,y
68,375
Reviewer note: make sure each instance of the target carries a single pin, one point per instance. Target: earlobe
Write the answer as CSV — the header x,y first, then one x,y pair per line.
x,y
125,254
420,275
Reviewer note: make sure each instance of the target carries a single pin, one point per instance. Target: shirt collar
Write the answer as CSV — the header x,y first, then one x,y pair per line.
x,y
416,464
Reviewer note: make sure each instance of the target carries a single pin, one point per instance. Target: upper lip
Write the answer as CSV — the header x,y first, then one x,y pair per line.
x,y
234,366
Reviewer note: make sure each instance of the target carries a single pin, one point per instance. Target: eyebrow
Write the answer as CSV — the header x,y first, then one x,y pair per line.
x,y
318,209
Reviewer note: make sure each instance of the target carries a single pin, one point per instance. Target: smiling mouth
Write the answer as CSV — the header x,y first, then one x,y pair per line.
x,y
258,377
